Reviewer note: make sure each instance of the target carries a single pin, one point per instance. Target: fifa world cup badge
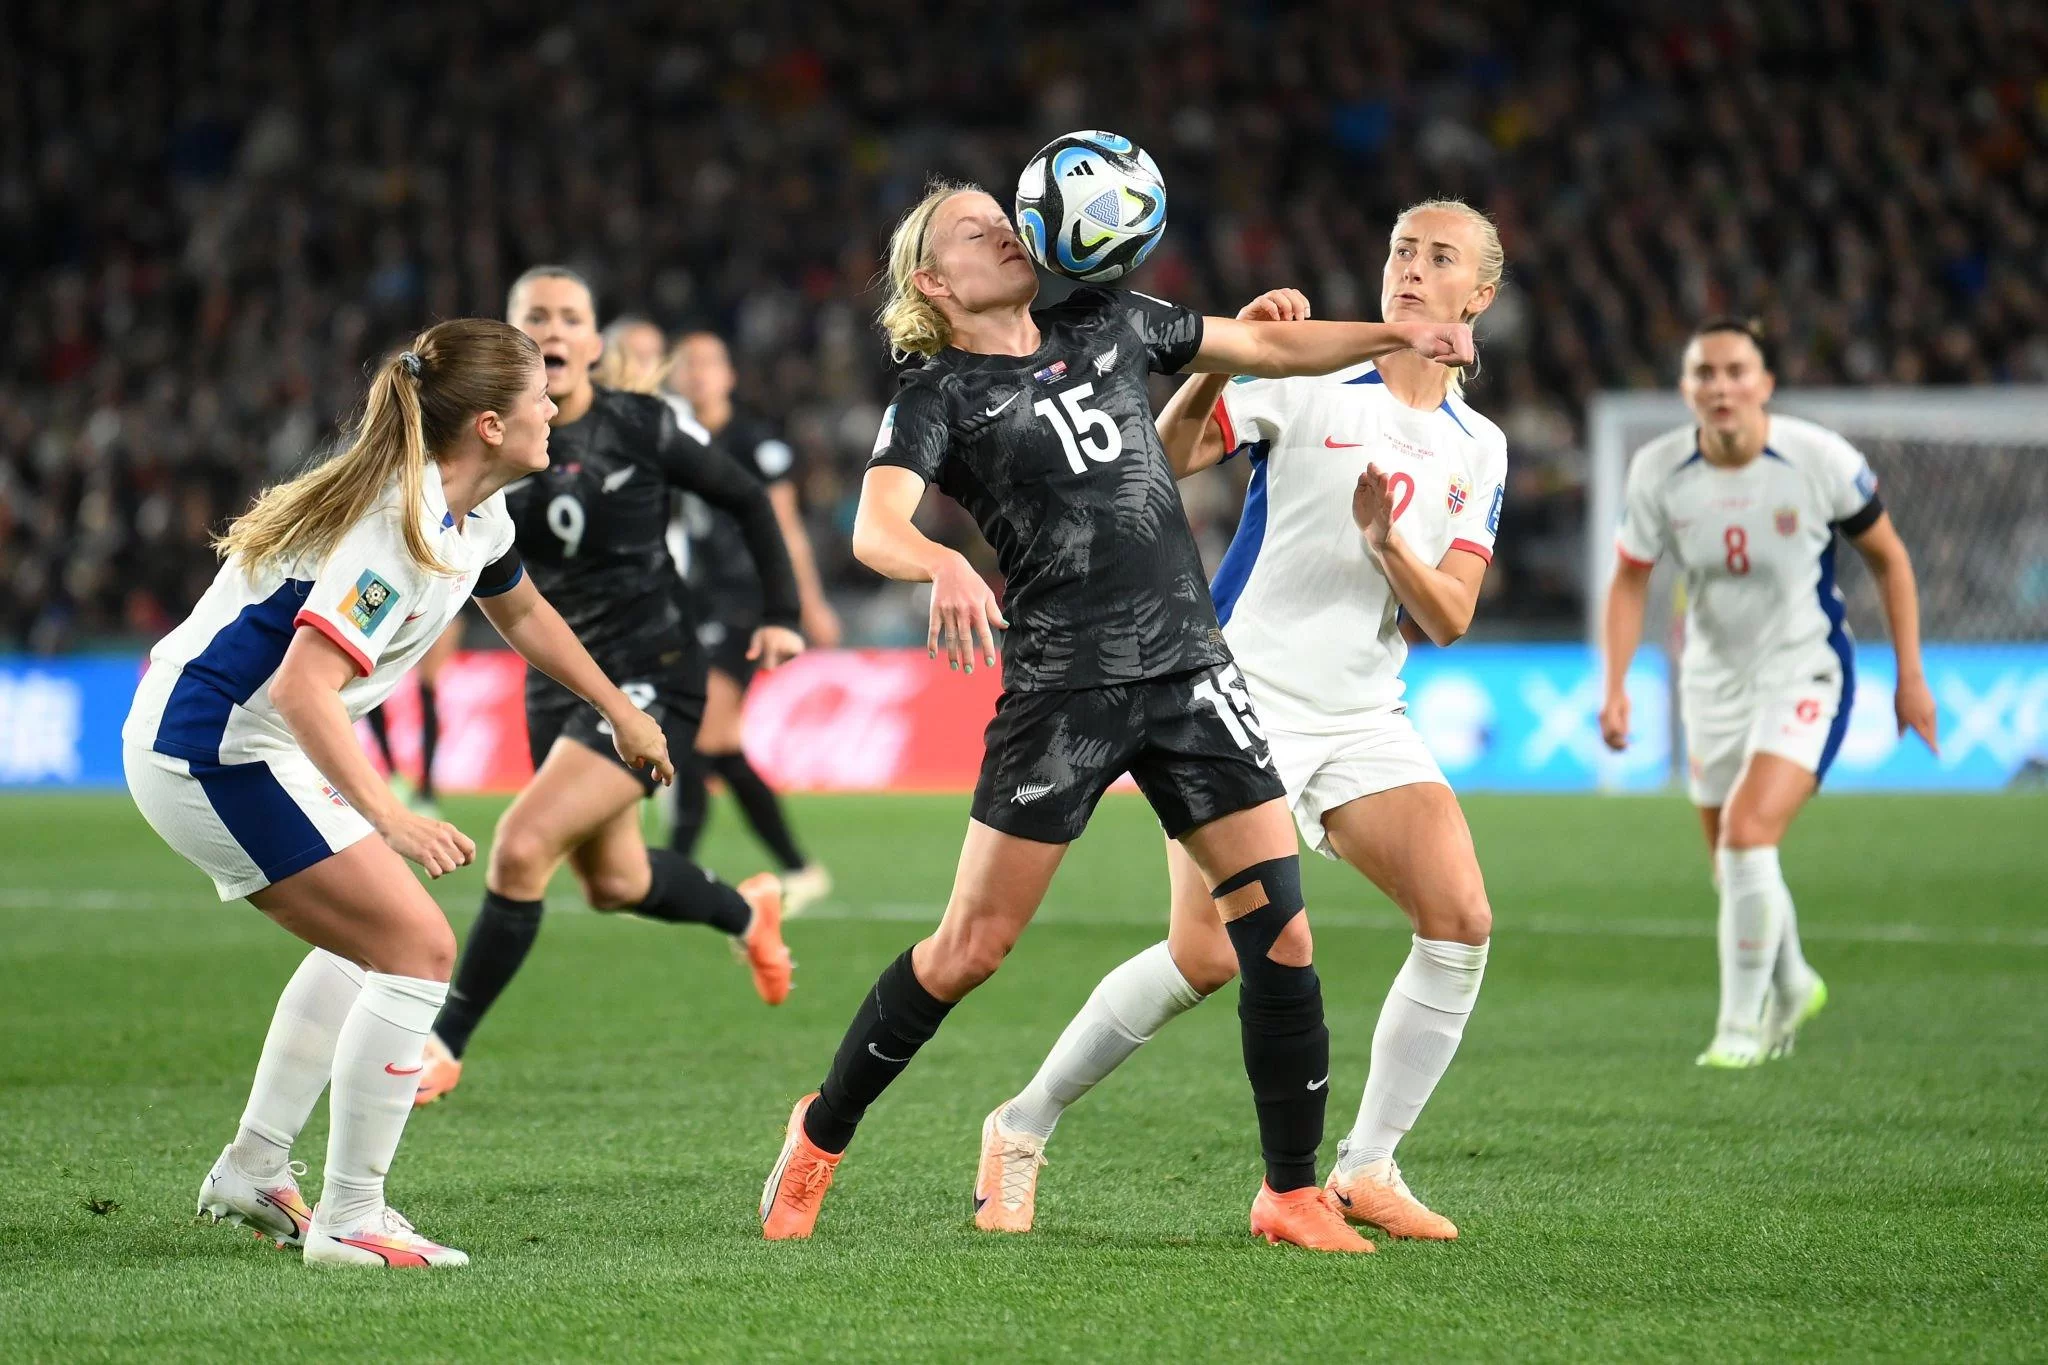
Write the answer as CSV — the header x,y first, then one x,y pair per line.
x,y
368,602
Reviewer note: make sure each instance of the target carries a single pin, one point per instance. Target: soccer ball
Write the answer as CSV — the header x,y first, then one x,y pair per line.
x,y
1091,206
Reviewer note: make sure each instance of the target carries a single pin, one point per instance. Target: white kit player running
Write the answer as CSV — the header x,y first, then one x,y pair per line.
x,y
1375,495
241,752
1748,504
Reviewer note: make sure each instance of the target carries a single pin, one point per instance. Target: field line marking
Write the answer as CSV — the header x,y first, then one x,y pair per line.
x,y
913,912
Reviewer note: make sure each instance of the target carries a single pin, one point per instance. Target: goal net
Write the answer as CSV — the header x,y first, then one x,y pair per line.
x,y
1964,474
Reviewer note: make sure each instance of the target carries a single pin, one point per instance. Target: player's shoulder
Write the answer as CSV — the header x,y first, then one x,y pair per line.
x,y
639,413
1800,441
755,440
1492,441
1662,456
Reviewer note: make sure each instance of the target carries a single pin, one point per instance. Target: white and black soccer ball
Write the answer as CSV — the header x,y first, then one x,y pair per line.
x,y
1091,206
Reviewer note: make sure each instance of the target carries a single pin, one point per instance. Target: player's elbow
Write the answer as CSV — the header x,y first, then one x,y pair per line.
x,y
871,540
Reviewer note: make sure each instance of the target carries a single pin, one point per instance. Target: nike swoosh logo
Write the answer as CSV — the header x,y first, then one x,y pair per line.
x,y
399,1071
980,1202
1000,406
1342,1198
616,478
1335,444
1318,1085
883,1056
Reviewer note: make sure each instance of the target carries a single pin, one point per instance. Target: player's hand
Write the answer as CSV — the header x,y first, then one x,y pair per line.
x,y
435,845
1914,705
1372,507
774,646
820,625
1614,721
641,744
1276,305
965,616
1447,343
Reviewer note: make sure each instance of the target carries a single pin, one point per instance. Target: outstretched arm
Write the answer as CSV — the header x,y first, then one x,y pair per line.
x,y
1892,567
1276,350
1187,424
541,637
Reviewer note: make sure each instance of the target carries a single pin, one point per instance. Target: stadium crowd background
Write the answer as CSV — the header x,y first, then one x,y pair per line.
x,y
212,215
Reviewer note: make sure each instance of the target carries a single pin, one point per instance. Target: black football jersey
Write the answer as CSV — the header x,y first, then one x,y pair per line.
x,y
591,529
1056,457
728,586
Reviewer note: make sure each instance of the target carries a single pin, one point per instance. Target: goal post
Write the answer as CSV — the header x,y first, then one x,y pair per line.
x,y
1964,474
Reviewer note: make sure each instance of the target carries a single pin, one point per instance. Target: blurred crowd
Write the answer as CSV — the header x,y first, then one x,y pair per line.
x,y
213,214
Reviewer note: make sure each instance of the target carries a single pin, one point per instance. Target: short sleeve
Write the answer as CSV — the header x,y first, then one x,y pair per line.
x,y
1476,524
1848,486
1251,413
364,590
501,575
1641,541
914,432
1170,333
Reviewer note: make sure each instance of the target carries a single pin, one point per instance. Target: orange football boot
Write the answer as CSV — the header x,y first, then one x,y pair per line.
x,y
1305,1218
762,944
1377,1195
1006,1186
440,1072
797,1185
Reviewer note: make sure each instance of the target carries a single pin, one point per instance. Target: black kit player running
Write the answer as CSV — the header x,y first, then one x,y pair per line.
x,y
723,586
592,530
1038,424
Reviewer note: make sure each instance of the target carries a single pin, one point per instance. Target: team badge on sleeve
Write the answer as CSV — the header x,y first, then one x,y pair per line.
x,y
1500,492
1866,483
368,602
888,430
1460,493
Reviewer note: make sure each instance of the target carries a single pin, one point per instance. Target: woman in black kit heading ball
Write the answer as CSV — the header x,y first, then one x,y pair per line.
x,y
1039,424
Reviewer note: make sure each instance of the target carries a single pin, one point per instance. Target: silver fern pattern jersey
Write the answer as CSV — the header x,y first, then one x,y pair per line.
x,y
1056,457
591,527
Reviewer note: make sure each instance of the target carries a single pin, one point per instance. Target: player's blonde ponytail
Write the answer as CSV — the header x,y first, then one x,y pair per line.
x,y
617,369
911,321
1492,260
420,401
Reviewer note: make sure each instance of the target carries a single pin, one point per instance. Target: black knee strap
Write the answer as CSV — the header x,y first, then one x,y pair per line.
x,y
1276,882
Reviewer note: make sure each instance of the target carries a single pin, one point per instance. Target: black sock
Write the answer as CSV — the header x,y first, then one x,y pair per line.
x,y
898,1017
380,730
680,892
1280,1019
762,807
692,804
430,739
498,942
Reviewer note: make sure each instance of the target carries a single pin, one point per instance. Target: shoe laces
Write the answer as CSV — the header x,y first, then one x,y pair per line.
x,y
295,1169
395,1222
1019,1161
803,1185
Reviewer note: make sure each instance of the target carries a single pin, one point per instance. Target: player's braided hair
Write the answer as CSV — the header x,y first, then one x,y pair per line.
x,y
420,401
911,321
1492,260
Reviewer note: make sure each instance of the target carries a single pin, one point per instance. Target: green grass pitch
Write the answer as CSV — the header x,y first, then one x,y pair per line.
x,y
1883,1194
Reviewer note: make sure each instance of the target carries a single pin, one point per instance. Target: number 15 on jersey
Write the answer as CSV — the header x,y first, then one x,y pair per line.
x,y
1082,430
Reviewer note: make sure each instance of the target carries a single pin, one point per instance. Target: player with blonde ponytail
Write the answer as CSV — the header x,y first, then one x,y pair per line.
x,y
241,753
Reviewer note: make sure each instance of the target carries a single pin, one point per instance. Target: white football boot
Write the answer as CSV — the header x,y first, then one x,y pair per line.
x,y
271,1208
804,888
1734,1050
385,1238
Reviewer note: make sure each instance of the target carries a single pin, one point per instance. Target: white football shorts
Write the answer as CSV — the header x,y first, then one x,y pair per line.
x,y
1801,718
1323,772
245,825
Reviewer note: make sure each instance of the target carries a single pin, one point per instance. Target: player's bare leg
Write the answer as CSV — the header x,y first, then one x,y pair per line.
x,y
1414,844
997,887
1766,993
1254,874
578,797
1127,1008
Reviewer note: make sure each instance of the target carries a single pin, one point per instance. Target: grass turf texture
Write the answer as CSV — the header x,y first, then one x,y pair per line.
x,y
1881,1194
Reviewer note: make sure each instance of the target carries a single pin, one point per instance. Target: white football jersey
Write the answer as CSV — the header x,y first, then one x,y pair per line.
x,y
1311,621
1756,544
206,696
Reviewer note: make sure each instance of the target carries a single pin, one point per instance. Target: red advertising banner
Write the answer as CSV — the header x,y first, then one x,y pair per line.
x,y
833,720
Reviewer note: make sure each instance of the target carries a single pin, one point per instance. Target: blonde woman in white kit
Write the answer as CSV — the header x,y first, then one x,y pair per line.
x,y
241,753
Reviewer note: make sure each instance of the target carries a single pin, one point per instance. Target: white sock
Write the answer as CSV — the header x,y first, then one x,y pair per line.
x,y
298,1055
1129,1005
1754,906
1790,973
376,1074
1413,1044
